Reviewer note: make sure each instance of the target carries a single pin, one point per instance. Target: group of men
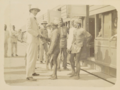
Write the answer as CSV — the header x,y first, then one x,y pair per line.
x,y
56,40
13,36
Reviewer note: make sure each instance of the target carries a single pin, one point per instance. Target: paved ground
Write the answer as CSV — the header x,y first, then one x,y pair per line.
x,y
14,71
15,75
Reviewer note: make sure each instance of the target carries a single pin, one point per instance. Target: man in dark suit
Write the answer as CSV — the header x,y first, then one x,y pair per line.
x,y
63,45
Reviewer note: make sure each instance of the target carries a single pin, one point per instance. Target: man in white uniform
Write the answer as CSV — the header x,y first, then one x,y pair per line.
x,y
6,37
33,41
14,39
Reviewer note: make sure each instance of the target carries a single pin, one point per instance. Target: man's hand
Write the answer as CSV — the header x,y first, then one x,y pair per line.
x,y
69,51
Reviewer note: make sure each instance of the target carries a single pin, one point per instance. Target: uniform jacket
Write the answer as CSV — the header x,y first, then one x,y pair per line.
x,y
79,38
32,30
55,42
44,33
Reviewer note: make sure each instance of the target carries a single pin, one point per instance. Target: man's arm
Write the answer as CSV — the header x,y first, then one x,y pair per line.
x,y
29,28
88,36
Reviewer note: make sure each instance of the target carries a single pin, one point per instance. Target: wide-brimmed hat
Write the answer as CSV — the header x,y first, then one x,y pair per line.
x,y
44,22
78,21
34,7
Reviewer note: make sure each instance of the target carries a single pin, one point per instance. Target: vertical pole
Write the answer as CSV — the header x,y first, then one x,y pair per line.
x,y
29,6
96,25
87,18
87,29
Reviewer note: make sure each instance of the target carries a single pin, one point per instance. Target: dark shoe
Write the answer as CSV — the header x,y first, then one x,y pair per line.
x,y
35,74
31,79
41,62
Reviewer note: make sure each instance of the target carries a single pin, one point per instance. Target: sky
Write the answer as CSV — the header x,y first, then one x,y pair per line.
x,y
19,10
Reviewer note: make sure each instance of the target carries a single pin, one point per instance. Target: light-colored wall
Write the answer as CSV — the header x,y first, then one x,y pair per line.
x,y
96,9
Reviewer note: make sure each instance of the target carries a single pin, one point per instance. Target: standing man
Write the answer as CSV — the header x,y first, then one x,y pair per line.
x,y
79,36
14,39
54,47
63,45
69,44
6,37
33,41
44,43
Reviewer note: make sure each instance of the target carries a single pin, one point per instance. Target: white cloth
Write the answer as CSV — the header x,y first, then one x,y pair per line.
x,y
70,38
32,48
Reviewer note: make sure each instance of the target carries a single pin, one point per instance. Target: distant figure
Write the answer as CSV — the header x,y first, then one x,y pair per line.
x,y
43,42
14,38
6,37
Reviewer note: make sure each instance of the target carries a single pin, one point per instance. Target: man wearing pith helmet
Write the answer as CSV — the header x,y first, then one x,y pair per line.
x,y
32,40
54,47
76,50
44,43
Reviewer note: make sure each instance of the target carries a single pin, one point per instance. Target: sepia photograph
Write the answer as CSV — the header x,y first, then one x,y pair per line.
x,y
52,44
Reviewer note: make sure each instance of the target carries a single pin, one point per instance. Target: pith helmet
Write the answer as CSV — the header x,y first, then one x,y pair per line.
x,y
34,7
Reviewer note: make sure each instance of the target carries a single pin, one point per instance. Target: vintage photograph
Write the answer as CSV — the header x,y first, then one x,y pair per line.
x,y
60,45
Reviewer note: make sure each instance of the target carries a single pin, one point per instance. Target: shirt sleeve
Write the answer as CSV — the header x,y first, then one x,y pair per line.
x,y
29,28
87,34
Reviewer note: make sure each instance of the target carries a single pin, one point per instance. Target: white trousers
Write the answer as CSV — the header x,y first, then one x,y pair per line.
x,y
32,51
5,48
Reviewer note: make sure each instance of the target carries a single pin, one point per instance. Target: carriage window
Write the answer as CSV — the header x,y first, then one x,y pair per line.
x,y
114,22
100,26
107,24
99,33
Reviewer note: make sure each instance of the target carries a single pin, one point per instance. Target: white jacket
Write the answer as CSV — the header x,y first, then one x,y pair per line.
x,y
32,30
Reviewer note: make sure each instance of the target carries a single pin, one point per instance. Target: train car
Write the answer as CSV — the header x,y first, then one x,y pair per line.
x,y
105,26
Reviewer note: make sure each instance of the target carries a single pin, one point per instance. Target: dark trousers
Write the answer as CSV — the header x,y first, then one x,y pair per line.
x,y
63,52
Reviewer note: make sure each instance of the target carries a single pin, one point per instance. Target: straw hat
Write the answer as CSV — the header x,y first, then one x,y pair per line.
x,y
34,7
